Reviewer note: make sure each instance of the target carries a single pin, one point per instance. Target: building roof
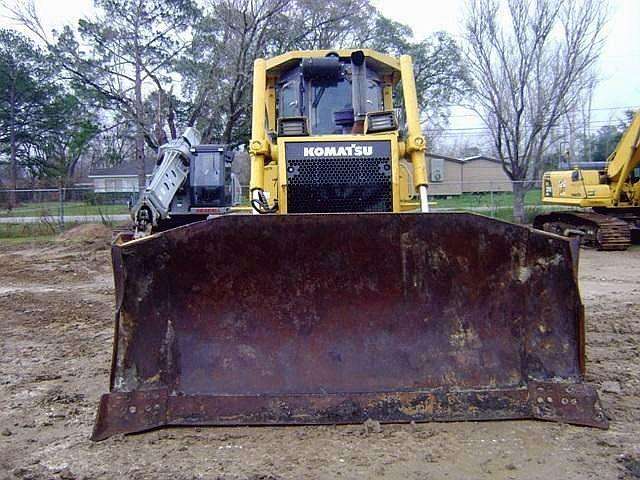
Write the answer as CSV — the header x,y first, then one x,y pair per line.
x,y
463,160
128,169
444,157
481,157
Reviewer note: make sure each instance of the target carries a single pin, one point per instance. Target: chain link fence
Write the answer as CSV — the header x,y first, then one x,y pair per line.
x,y
48,211
43,212
489,197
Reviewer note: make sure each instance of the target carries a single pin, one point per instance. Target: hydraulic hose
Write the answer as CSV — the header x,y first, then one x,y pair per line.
x,y
260,203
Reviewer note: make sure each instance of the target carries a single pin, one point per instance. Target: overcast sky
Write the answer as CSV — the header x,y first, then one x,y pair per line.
x,y
619,68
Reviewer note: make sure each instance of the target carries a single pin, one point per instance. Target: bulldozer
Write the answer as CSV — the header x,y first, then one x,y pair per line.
x,y
611,197
342,297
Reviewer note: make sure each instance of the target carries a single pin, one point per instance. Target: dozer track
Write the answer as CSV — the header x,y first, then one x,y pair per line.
x,y
604,232
338,318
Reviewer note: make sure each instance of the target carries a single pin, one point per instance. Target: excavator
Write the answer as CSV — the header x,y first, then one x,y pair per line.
x,y
190,182
342,297
611,195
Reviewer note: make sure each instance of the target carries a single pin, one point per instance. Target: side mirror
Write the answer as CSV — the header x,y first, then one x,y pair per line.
x,y
357,58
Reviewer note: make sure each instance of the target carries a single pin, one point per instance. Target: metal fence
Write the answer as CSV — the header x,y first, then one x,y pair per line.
x,y
33,204
51,210
43,212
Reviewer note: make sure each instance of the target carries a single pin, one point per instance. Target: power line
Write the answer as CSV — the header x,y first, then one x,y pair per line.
x,y
592,125
630,107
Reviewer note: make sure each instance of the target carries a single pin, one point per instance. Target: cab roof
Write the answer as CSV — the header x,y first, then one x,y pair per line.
x,y
380,62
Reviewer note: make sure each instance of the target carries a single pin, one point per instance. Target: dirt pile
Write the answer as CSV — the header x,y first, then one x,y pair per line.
x,y
92,233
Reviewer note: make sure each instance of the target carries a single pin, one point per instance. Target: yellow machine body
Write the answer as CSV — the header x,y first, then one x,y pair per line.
x,y
612,195
333,304
406,145
616,186
580,188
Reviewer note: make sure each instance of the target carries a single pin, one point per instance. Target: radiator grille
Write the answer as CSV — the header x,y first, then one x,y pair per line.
x,y
339,184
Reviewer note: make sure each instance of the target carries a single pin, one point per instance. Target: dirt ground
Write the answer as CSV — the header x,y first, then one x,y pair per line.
x,y
56,314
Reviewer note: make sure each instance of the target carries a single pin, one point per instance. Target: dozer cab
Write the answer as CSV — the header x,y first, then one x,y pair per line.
x,y
611,197
342,299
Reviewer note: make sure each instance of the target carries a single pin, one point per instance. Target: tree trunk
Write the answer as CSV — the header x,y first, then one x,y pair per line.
x,y
519,192
171,119
140,158
13,165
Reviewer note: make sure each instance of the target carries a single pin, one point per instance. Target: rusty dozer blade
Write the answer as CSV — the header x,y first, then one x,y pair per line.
x,y
327,319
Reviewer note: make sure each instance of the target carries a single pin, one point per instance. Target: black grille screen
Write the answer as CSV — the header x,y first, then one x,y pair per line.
x,y
334,177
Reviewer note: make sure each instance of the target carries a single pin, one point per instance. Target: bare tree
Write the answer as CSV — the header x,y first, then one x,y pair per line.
x,y
573,129
128,47
233,33
217,68
529,61
319,24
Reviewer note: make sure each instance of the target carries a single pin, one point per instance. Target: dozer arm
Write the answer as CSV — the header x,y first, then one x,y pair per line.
x,y
415,143
625,157
259,146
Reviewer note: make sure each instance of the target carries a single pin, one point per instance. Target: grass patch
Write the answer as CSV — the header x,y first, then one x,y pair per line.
x,y
500,205
500,199
52,209
16,233
41,239
28,230
530,213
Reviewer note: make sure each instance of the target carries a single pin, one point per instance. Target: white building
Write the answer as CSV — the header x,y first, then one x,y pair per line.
x,y
120,179
455,176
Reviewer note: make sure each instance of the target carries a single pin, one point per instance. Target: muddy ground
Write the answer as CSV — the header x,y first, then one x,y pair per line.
x,y
56,314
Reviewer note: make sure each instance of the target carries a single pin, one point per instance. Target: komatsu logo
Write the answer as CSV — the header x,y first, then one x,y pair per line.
x,y
353,150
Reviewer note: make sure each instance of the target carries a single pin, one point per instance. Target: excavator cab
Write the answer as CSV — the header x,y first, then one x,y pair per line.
x,y
343,298
190,182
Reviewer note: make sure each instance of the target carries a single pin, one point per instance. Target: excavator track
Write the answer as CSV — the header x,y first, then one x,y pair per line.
x,y
603,232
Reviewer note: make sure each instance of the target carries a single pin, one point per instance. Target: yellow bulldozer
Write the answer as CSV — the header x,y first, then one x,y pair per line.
x,y
611,195
342,298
